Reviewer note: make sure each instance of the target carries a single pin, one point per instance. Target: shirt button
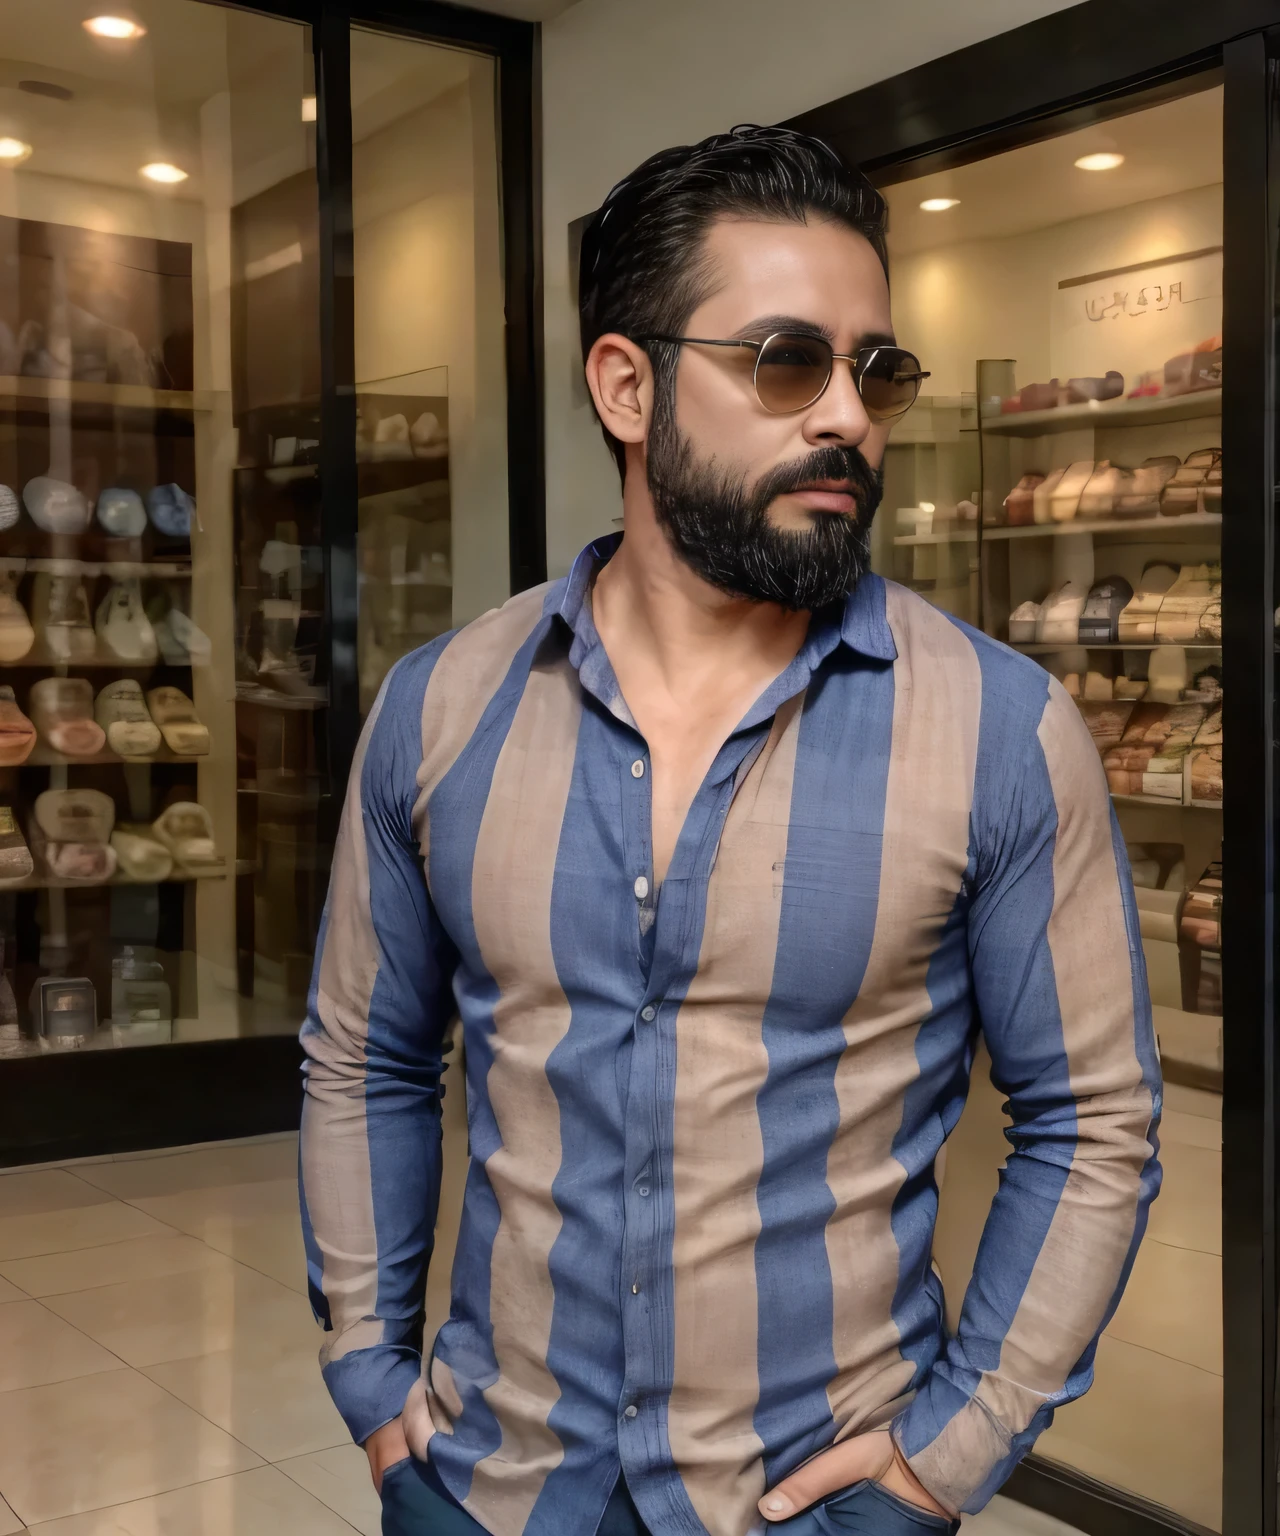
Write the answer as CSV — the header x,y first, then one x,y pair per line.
x,y
637,768
644,1189
648,1013
630,1411
641,887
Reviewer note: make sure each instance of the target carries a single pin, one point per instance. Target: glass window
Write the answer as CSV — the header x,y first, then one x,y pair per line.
x,y
1062,489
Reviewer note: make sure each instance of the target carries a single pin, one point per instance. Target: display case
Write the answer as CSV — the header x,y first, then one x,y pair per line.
x,y
248,459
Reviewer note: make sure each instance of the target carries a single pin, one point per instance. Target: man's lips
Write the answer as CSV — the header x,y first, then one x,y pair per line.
x,y
827,496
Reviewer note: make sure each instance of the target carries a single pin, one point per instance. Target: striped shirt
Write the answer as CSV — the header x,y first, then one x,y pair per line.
x,y
695,1243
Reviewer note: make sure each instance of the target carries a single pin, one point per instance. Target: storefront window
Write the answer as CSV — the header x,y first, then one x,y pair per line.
x,y
1062,490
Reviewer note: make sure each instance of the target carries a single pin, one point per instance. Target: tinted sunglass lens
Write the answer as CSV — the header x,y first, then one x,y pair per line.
x,y
889,382
792,371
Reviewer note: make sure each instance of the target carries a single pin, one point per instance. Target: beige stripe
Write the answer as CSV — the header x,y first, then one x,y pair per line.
x,y
514,870
928,796
463,681
334,1138
718,1152
1079,1265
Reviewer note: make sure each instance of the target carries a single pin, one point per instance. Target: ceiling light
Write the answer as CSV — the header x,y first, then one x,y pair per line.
x,y
308,109
12,151
1106,161
162,171
121,28
939,204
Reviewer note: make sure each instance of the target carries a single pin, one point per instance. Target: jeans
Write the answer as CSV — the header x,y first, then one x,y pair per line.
x,y
414,1503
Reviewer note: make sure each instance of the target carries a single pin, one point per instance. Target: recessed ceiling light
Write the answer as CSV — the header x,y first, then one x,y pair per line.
x,y
939,204
162,171
308,109
13,151
1106,161
121,28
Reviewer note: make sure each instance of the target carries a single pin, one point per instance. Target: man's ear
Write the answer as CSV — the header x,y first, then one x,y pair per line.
x,y
620,378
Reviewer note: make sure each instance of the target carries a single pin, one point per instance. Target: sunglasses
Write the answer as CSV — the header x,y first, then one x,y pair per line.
x,y
792,371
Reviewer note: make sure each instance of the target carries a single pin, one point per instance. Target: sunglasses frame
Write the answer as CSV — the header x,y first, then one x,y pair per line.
x,y
858,362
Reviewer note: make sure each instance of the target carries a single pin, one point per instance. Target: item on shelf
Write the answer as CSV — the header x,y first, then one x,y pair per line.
x,y
62,712
1042,497
15,857
1019,504
1140,494
1206,773
1157,867
16,633
10,507
391,438
1137,624
1211,490
427,438
1064,500
1100,620
966,512
1202,914
1098,686
64,1011
1106,722
121,513
121,710
186,829
1023,623
1184,492
1200,369
1148,385
143,857
1106,483
1126,762
74,815
1166,674
55,506
1040,397
182,642
141,1004
11,1041
1183,607
1059,622
1110,387
122,623
175,714
17,734
60,611
1210,733
1205,687
171,509
1134,688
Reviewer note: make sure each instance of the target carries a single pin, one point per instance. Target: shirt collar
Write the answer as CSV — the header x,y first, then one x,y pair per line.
x,y
862,625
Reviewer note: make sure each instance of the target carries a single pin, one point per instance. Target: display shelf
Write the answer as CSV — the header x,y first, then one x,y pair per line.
x,y
960,536
154,553
1168,805
1051,647
1105,413
1192,525
45,756
41,656
84,392
42,881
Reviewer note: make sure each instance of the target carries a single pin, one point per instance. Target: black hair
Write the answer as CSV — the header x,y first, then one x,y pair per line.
x,y
640,272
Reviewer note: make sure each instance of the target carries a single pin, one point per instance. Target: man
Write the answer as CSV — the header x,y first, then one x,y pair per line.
x,y
724,850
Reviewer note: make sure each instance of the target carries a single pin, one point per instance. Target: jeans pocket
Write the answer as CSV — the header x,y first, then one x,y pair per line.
x,y
870,1509
395,1471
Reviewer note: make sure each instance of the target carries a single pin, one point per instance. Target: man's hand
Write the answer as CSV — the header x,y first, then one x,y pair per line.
x,y
384,1448
872,1456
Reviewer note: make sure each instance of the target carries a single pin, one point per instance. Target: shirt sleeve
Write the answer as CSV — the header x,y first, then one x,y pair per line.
x,y
379,1006
1060,986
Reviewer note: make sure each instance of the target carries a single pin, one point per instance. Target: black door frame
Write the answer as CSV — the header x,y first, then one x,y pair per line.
x,y
89,1104
1045,78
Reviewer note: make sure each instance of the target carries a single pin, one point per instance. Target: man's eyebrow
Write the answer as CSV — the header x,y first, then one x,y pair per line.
x,y
767,325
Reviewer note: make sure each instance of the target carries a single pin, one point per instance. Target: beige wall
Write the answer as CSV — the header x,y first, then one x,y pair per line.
x,y
621,81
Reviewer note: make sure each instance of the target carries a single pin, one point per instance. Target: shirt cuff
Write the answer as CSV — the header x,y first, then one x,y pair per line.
x,y
956,1447
369,1386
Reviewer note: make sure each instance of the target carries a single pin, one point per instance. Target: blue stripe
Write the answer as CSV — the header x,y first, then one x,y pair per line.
x,y
830,894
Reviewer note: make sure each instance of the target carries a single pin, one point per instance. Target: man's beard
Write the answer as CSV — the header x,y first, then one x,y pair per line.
x,y
721,528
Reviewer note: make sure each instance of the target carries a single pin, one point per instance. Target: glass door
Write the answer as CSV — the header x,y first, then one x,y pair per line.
x,y
431,430
1068,295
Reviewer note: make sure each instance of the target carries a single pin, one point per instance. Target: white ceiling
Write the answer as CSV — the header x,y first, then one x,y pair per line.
x,y
1169,148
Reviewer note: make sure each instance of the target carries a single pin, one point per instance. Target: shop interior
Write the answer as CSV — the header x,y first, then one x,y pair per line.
x,y
1060,488
165,674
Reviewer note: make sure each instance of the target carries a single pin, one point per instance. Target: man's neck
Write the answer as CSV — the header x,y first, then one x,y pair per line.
x,y
648,605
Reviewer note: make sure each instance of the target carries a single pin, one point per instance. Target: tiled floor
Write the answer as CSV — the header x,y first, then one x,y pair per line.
x,y
158,1370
